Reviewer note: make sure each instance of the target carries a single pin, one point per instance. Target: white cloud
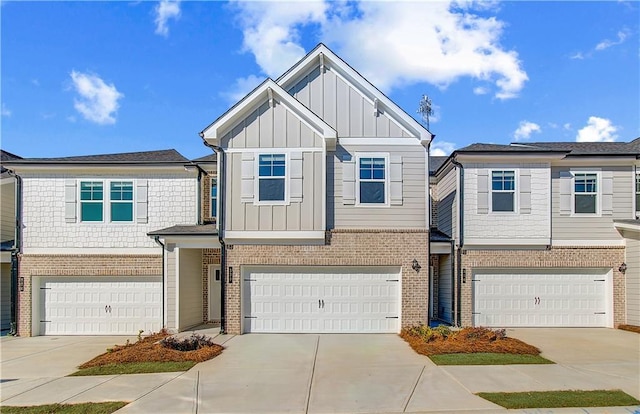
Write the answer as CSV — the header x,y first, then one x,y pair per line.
x,y
525,129
391,43
442,148
271,31
567,126
241,87
166,10
577,55
480,90
97,101
6,111
597,130
605,44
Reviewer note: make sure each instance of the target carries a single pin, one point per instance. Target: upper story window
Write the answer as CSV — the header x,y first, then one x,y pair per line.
x,y
91,201
121,201
503,191
271,177
372,177
585,193
637,192
214,197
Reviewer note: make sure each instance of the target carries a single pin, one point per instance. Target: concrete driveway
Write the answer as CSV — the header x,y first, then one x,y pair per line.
x,y
324,373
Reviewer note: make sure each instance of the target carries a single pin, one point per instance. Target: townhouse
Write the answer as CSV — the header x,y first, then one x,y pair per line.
x,y
539,234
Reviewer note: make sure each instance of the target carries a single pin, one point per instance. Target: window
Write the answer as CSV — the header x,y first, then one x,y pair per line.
x,y
214,197
503,191
585,193
91,201
271,173
372,180
637,192
121,198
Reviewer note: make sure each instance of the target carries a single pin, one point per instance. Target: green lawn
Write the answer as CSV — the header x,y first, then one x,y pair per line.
x,y
84,408
487,359
556,399
135,368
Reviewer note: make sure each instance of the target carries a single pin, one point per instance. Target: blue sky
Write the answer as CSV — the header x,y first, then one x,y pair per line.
x,y
103,77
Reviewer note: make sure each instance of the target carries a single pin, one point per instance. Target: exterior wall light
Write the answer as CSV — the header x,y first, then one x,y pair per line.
x,y
415,265
623,268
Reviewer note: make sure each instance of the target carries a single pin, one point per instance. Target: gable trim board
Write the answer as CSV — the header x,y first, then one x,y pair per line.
x,y
268,90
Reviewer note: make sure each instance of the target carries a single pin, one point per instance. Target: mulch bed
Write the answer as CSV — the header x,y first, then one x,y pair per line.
x,y
631,328
148,349
428,341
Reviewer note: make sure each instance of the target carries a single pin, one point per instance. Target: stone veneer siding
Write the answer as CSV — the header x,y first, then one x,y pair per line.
x,y
557,257
342,247
78,265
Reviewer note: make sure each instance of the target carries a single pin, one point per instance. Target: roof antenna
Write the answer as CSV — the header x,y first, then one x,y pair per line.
x,y
425,110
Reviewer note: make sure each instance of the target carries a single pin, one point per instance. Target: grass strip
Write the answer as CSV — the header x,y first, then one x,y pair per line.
x,y
558,399
83,408
135,368
487,358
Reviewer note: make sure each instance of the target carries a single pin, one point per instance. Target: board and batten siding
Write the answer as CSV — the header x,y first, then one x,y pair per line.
x,y
447,205
632,277
7,209
343,107
190,302
530,225
296,216
591,227
271,127
445,289
411,214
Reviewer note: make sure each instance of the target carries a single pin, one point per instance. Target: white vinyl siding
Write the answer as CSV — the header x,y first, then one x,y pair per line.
x,y
568,226
7,209
445,290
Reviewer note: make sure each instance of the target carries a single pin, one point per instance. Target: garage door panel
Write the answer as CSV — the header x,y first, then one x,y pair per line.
x,y
547,299
321,300
77,306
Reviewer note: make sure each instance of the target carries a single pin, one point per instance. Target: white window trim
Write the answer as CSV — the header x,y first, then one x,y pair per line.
x,y
106,200
515,191
598,193
387,181
211,204
132,201
256,181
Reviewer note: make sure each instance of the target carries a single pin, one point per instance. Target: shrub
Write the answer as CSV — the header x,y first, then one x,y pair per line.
x,y
191,343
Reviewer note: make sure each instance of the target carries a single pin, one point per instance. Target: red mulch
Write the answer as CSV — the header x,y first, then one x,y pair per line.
x,y
148,349
467,340
631,328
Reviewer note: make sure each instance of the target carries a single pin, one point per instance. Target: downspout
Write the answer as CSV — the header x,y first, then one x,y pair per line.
x,y
15,253
220,222
157,240
460,243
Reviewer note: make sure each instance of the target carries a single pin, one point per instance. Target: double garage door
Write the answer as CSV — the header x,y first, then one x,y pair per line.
x,y
100,306
560,298
321,300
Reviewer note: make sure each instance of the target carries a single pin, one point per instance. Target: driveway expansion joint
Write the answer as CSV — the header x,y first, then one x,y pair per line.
x,y
413,390
313,371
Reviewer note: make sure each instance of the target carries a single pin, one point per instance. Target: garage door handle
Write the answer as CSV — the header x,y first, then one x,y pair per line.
x,y
105,309
319,305
322,303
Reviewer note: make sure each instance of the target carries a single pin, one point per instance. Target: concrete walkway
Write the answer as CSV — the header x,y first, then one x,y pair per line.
x,y
321,374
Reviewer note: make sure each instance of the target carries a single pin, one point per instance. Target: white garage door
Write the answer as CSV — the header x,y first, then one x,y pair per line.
x,y
566,298
100,306
321,300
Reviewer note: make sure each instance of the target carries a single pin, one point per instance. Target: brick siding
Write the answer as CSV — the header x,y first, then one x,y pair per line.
x,y
209,257
342,248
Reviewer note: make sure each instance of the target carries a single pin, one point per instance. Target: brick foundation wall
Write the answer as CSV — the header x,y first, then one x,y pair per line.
x,y
77,265
342,248
557,257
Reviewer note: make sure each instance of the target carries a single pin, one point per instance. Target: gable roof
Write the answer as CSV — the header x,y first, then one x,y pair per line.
x,y
570,148
6,156
435,162
268,90
321,55
143,157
